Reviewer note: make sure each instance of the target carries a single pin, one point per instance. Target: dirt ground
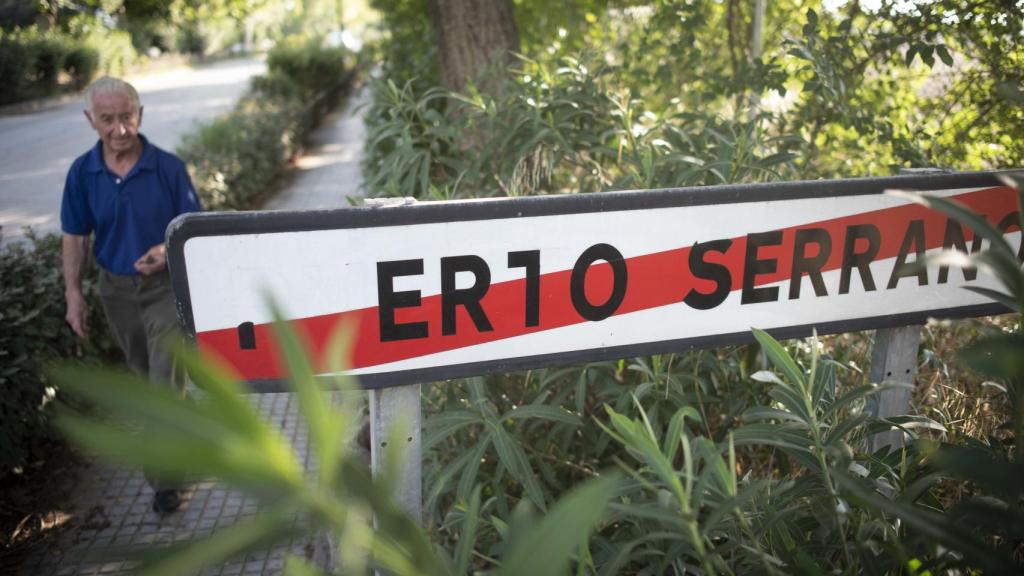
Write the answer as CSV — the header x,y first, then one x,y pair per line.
x,y
36,506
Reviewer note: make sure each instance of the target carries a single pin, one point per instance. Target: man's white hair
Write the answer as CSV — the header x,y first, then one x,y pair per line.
x,y
106,85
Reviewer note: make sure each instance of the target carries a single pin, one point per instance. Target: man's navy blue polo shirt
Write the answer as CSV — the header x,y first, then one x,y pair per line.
x,y
129,215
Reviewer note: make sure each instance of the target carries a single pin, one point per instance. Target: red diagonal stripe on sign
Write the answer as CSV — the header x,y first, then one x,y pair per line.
x,y
658,279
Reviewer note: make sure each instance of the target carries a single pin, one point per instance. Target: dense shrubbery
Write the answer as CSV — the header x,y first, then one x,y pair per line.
x,y
113,47
556,128
235,158
669,93
733,469
309,64
36,64
82,62
32,334
31,64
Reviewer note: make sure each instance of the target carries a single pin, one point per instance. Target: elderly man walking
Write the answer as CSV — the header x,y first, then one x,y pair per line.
x,y
123,193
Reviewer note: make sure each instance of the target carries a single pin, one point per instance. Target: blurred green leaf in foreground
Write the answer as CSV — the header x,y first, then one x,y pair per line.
x,y
220,433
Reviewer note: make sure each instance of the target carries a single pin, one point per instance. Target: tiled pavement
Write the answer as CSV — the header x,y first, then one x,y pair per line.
x,y
114,509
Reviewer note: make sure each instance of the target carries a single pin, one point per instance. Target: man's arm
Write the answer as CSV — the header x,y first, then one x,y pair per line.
x,y
76,255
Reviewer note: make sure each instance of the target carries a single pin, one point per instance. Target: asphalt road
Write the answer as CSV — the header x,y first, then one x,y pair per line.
x,y
36,149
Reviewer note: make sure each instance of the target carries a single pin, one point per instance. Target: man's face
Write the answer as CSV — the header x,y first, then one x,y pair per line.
x,y
116,120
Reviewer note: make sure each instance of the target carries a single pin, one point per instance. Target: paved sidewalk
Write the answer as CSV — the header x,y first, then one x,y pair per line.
x,y
114,504
329,170
114,509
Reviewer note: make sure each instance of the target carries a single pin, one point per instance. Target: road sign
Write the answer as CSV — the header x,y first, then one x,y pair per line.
x,y
448,289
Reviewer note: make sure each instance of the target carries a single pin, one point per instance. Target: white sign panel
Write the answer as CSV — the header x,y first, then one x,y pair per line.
x,y
446,289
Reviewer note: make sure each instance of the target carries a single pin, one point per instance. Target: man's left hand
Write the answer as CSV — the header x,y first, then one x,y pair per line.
x,y
154,260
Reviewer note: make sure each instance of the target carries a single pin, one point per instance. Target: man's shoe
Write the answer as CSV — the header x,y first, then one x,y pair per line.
x,y
166,501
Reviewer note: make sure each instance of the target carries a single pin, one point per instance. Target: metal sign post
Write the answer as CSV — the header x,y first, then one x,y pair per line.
x,y
391,410
893,359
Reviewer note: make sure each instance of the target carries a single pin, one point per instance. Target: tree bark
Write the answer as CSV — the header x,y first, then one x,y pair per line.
x,y
471,36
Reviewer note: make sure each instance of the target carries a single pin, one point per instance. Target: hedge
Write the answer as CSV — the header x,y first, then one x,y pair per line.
x,y
235,158
31,64
36,64
32,334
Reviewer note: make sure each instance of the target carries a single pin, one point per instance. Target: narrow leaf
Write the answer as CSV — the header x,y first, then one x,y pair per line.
x,y
544,412
1000,297
467,537
780,358
546,549
261,531
514,459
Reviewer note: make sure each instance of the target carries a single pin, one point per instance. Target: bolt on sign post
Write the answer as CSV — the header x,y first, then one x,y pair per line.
x,y
441,290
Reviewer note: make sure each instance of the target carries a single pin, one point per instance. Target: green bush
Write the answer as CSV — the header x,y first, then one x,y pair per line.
x,y
115,50
741,460
205,29
149,33
32,62
562,127
17,59
275,87
312,66
33,333
235,158
113,47
50,53
82,63
191,41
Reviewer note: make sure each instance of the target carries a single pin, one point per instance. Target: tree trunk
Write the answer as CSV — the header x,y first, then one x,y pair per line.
x,y
472,35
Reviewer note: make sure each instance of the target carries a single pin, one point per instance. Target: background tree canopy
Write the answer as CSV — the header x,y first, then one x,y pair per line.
x,y
54,46
835,89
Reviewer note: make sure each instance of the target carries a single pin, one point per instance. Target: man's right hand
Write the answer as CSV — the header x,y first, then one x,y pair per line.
x,y
77,313
74,253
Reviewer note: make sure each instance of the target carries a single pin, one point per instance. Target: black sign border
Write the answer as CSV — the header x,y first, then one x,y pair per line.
x,y
196,225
